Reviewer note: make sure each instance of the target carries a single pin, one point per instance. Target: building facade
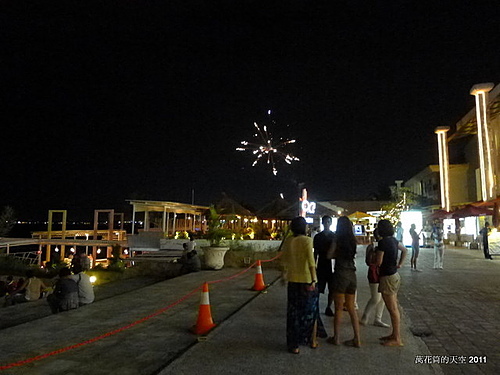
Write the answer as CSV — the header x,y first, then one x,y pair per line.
x,y
469,166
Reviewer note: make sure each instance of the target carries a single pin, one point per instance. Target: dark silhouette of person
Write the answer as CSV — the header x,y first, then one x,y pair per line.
x,y
486,247
190,262
65,295
321,243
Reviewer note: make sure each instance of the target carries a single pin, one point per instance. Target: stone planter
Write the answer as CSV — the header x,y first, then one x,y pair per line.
x,y
214,257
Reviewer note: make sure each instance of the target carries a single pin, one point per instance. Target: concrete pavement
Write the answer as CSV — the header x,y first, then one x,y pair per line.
x,y
144,348
456,307
253,342
456,310
21,313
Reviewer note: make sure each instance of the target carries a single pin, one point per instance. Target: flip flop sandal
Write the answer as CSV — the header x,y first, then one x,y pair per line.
x,y
352,343
391,344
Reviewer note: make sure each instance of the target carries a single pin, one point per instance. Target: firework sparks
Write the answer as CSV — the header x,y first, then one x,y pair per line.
x,y
266,150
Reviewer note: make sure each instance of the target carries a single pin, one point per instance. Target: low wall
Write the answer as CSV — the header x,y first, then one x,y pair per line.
x,y
242,253
250,245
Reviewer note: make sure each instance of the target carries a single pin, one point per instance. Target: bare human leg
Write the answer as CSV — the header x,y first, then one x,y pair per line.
x,y
394,339
314,338
351,309
338,300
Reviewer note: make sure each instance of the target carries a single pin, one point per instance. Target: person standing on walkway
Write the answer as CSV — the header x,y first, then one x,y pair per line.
x,y
387,260
437,236
399,232
322,242
484,233
375,302
303,323
344,281
415,247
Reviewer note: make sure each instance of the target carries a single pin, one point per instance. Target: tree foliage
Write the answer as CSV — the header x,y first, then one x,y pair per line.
x,y
402,199
7,220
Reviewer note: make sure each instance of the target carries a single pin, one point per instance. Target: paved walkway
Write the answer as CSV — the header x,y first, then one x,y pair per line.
x,y
456,306
22,313
253,342
456,310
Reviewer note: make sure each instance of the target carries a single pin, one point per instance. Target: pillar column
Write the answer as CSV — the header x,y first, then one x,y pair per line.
x,y
133,219
444,167
164,219
485,141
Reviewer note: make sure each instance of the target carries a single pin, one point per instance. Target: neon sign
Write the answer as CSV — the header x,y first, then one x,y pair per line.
x,y
306,207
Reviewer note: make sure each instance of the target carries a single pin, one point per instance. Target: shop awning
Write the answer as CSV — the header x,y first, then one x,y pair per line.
x,y
358,215
471,210
439,215
487,203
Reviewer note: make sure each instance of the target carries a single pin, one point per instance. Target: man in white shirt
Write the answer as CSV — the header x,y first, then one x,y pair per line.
x,y
85,287
399,232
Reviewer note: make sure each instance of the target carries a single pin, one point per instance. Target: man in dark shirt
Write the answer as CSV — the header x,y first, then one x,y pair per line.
x,y
322,242
486,248
387,260
65,295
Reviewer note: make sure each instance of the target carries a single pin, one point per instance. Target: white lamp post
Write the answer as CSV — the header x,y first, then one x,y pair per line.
x,y
486,161
444,166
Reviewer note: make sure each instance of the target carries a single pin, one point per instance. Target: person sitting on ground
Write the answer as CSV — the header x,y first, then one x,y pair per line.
x,y
190,262
11,284
184,248
30,290
65,295
20,282
3,288
75,260
191,245
85,262
85,288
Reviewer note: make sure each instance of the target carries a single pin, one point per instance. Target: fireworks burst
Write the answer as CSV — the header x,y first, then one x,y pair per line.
x,y
266,150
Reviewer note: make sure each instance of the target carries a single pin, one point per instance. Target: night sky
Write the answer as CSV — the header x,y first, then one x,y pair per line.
x,y
104,101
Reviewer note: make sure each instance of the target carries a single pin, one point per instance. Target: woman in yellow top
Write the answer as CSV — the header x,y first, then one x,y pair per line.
x,y
303,324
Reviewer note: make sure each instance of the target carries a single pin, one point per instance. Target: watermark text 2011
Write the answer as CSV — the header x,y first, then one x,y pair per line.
x,y
451,359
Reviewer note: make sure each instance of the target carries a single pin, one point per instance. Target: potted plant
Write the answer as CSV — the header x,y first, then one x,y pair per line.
x,y
216,234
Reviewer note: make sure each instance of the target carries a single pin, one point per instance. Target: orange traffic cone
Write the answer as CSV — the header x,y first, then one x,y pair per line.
x,y
259,279
204,323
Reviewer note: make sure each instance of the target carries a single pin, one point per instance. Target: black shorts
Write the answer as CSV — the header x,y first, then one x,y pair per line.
x,y
323,281
344,282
